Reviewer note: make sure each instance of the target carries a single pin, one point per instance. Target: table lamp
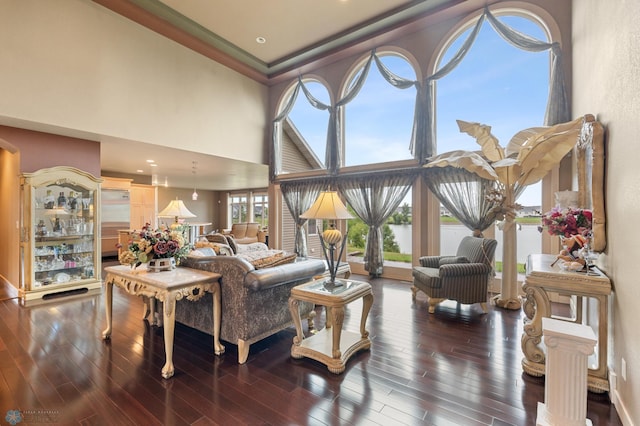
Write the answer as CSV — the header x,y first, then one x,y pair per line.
x,y
329,206
177,210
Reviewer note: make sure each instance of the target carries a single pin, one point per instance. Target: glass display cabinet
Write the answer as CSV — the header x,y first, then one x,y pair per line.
x,y
60,233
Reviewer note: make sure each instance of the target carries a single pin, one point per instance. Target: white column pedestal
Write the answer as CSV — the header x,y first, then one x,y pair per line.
x,y
565,388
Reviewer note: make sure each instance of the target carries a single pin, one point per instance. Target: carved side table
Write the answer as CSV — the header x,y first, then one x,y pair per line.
x,y
331,346
168,287
541,279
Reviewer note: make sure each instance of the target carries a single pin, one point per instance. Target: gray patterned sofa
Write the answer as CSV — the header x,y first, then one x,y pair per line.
x,y
254,301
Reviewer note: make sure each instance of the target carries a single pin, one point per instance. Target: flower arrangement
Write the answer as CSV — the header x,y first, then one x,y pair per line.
x,y
567,222
155,244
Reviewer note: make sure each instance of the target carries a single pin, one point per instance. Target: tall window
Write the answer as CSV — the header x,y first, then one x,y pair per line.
x,y
238,208
501,86
377,128
261,209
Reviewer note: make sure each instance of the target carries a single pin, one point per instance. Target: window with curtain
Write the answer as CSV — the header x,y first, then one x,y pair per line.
x,y
379,120
384,101
502,86
305,130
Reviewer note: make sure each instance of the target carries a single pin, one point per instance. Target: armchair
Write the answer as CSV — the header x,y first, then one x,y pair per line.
x,y
463,277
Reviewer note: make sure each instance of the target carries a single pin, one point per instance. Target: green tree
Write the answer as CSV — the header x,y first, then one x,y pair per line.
x,y
406,213
357,233
389,243
401,217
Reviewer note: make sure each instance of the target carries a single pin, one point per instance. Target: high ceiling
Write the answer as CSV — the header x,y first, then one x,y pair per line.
x,y
273,36
295,32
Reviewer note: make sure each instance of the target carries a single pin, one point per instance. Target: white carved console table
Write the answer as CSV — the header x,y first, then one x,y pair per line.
x,y
541,279
168,287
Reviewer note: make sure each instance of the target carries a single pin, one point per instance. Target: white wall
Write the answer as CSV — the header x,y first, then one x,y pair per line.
x,y
77,65
606,62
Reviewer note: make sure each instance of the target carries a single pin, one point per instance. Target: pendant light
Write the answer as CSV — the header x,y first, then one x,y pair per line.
x,y
194,196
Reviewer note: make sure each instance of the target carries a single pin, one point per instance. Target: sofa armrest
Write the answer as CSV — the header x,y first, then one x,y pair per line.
x,y
261,279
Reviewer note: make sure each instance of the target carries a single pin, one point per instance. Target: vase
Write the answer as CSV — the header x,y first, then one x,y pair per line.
x,y
162,264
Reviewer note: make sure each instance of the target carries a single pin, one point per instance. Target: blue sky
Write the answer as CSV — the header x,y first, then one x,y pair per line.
x,y
496,84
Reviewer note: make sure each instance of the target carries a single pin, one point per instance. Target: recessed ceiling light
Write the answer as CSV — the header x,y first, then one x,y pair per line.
x,y
153,165
140,171
261,40
150,161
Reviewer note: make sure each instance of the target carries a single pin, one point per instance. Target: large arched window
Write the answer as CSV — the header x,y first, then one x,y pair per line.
x,y
379,120
502,86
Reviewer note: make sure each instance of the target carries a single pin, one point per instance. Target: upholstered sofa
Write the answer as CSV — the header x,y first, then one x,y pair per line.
x,y
254,300
248,232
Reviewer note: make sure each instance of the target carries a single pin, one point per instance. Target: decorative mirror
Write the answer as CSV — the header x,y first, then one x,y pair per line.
x,y
590,165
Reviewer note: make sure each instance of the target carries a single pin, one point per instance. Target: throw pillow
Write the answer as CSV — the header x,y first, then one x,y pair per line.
x,y
446,260
267,258
219,249
202,252
232,243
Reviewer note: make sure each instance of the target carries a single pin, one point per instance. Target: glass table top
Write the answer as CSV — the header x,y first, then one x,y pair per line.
x,y
324,286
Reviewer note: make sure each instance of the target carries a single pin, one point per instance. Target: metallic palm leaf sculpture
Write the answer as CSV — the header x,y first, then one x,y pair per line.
x,y
528,157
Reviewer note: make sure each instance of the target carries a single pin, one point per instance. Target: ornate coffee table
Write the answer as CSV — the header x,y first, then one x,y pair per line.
x,y
168,287
331,346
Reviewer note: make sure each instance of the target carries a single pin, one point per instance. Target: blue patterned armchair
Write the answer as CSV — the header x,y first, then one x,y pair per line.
x,y
463,277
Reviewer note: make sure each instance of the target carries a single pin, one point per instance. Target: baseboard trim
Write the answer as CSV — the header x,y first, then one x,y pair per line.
x,y
617,401
7,290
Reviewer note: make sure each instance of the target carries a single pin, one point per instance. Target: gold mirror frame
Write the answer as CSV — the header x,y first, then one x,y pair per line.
x,y
590,162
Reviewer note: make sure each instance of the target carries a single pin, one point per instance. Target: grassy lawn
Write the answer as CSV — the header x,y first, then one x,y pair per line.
x,y
400,257
521,220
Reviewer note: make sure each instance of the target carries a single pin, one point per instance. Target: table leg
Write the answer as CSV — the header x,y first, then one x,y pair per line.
x,y
218,348
145,308
154,318
108,305
149,310
168,307
337,318
537,302
295,315
366,307
328,315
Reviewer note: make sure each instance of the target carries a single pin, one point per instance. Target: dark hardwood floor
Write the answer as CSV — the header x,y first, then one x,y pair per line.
x,y
455,367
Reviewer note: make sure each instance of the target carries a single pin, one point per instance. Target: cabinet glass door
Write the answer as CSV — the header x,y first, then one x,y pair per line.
x,y
64,234
60,241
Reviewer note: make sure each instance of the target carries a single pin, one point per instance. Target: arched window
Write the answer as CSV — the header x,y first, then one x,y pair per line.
x,y
379,120
304,130
502,86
